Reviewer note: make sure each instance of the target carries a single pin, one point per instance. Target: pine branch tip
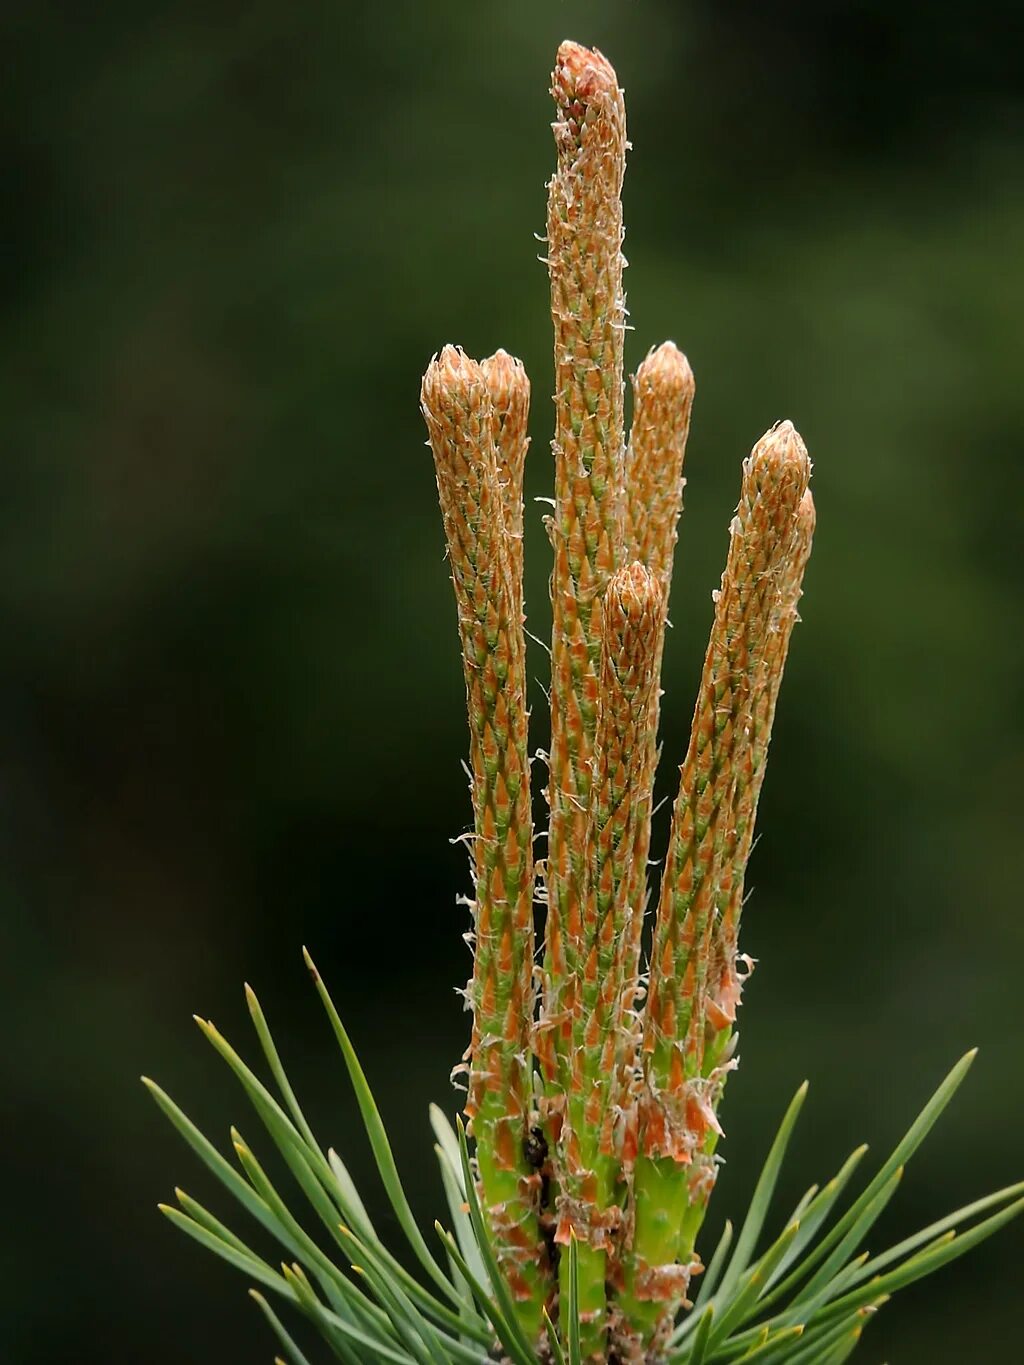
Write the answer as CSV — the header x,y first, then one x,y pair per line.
x,y
579,1177
581,73
665,367
450,376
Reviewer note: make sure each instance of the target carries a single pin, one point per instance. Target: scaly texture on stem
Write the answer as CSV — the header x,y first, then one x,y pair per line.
x,y
663,390
510,404
675,1114
725,984
458,410
584,236
632,623
725,981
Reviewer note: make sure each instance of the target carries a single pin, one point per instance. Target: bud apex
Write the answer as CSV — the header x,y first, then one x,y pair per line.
x,y
632,616
582,77
779,461
664,375
452,380
509,387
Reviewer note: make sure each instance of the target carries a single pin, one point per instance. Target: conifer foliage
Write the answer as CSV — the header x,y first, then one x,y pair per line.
x,y
577,1190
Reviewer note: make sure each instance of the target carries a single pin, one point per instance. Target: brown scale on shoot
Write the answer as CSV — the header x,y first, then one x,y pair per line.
x,y
459,412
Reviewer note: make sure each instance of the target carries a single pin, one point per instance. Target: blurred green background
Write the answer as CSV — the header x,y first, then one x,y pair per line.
x,y
231,696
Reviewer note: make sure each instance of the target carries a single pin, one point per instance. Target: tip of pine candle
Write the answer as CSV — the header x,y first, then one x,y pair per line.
x,y
580,74
451,373
450,361
666,369
783,432
780,454
501,363
633,590
506,378
451,355
633,618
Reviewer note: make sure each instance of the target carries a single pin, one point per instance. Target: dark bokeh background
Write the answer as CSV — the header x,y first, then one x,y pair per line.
x,y
231,699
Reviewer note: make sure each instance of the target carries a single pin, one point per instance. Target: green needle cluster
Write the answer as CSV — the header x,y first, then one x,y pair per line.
x,y
803,1294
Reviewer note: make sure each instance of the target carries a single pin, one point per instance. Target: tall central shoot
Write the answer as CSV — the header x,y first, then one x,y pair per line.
x,y
593,1086
588,309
